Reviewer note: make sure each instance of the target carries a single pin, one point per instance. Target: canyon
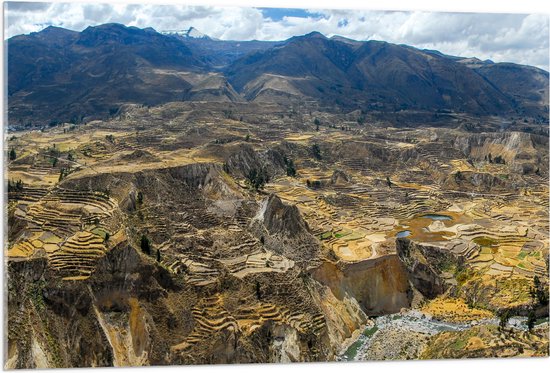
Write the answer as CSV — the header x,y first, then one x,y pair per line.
x,y
315,199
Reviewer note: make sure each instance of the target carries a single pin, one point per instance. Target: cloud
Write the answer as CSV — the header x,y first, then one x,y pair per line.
x,y
519,38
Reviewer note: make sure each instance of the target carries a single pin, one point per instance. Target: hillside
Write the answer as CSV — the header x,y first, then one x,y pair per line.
x,y
61,75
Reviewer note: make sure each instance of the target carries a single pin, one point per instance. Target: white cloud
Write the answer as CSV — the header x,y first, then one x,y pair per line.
x,y
500,37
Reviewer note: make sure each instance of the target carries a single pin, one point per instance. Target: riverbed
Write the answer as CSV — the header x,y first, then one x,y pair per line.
x,y
413,328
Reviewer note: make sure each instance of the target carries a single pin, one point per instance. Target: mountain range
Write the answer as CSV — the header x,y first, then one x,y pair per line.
x,y
61,75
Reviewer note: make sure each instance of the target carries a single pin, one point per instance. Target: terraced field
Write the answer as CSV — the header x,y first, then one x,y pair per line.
x,y
182,234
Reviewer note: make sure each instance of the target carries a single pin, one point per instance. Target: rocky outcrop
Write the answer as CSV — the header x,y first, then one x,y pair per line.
x,y
344,317
245,159
475,181
339,177
284,231
214,88
45,311
424,264
280,218
139,156
519,150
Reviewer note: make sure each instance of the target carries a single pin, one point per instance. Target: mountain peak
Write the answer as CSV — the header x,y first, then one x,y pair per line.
x,y
315,34
309,36
54,35
191,33
194,33
53,29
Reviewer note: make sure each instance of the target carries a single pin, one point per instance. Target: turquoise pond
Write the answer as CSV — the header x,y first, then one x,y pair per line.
x,y
437,217
403,234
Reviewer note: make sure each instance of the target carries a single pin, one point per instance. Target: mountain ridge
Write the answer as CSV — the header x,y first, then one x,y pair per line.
x,y
59,74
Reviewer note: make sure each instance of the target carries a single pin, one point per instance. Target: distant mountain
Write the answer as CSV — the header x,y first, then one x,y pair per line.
x,y
215,52
191,33
384,76
526,85
62,75
57,74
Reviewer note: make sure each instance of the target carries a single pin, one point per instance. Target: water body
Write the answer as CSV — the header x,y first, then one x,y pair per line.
x,y
437,217
403,234
418,322
409,321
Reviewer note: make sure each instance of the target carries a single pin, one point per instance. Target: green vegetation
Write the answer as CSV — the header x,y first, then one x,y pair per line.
x,y
77,119
35,293
15,186
313,184
370,332
459,344
53,152
110,138
326,235
290,168
531,319
316,150
538,292
522,255
499,160
503,316
158,255
447,264
340,235
352,350
485,241
257,178
145,245
226,168
462,273
12,154
258,291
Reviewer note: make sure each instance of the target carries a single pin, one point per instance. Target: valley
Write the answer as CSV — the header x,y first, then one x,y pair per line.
x,y
213,232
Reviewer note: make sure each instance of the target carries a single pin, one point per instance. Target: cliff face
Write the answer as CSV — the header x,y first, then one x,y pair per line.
x,y
380,286
243,158
523,152
424,264
280,218
284,231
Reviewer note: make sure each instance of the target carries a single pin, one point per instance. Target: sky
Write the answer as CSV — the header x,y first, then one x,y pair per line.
x,y
519,38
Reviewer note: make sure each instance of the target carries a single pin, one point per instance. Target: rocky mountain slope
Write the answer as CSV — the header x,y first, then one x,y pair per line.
x,y
61,75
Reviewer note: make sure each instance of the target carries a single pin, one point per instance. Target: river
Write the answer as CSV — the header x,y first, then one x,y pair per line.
x,y
416,321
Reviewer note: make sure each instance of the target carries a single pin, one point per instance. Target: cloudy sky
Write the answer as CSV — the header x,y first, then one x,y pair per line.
x,y
520,38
